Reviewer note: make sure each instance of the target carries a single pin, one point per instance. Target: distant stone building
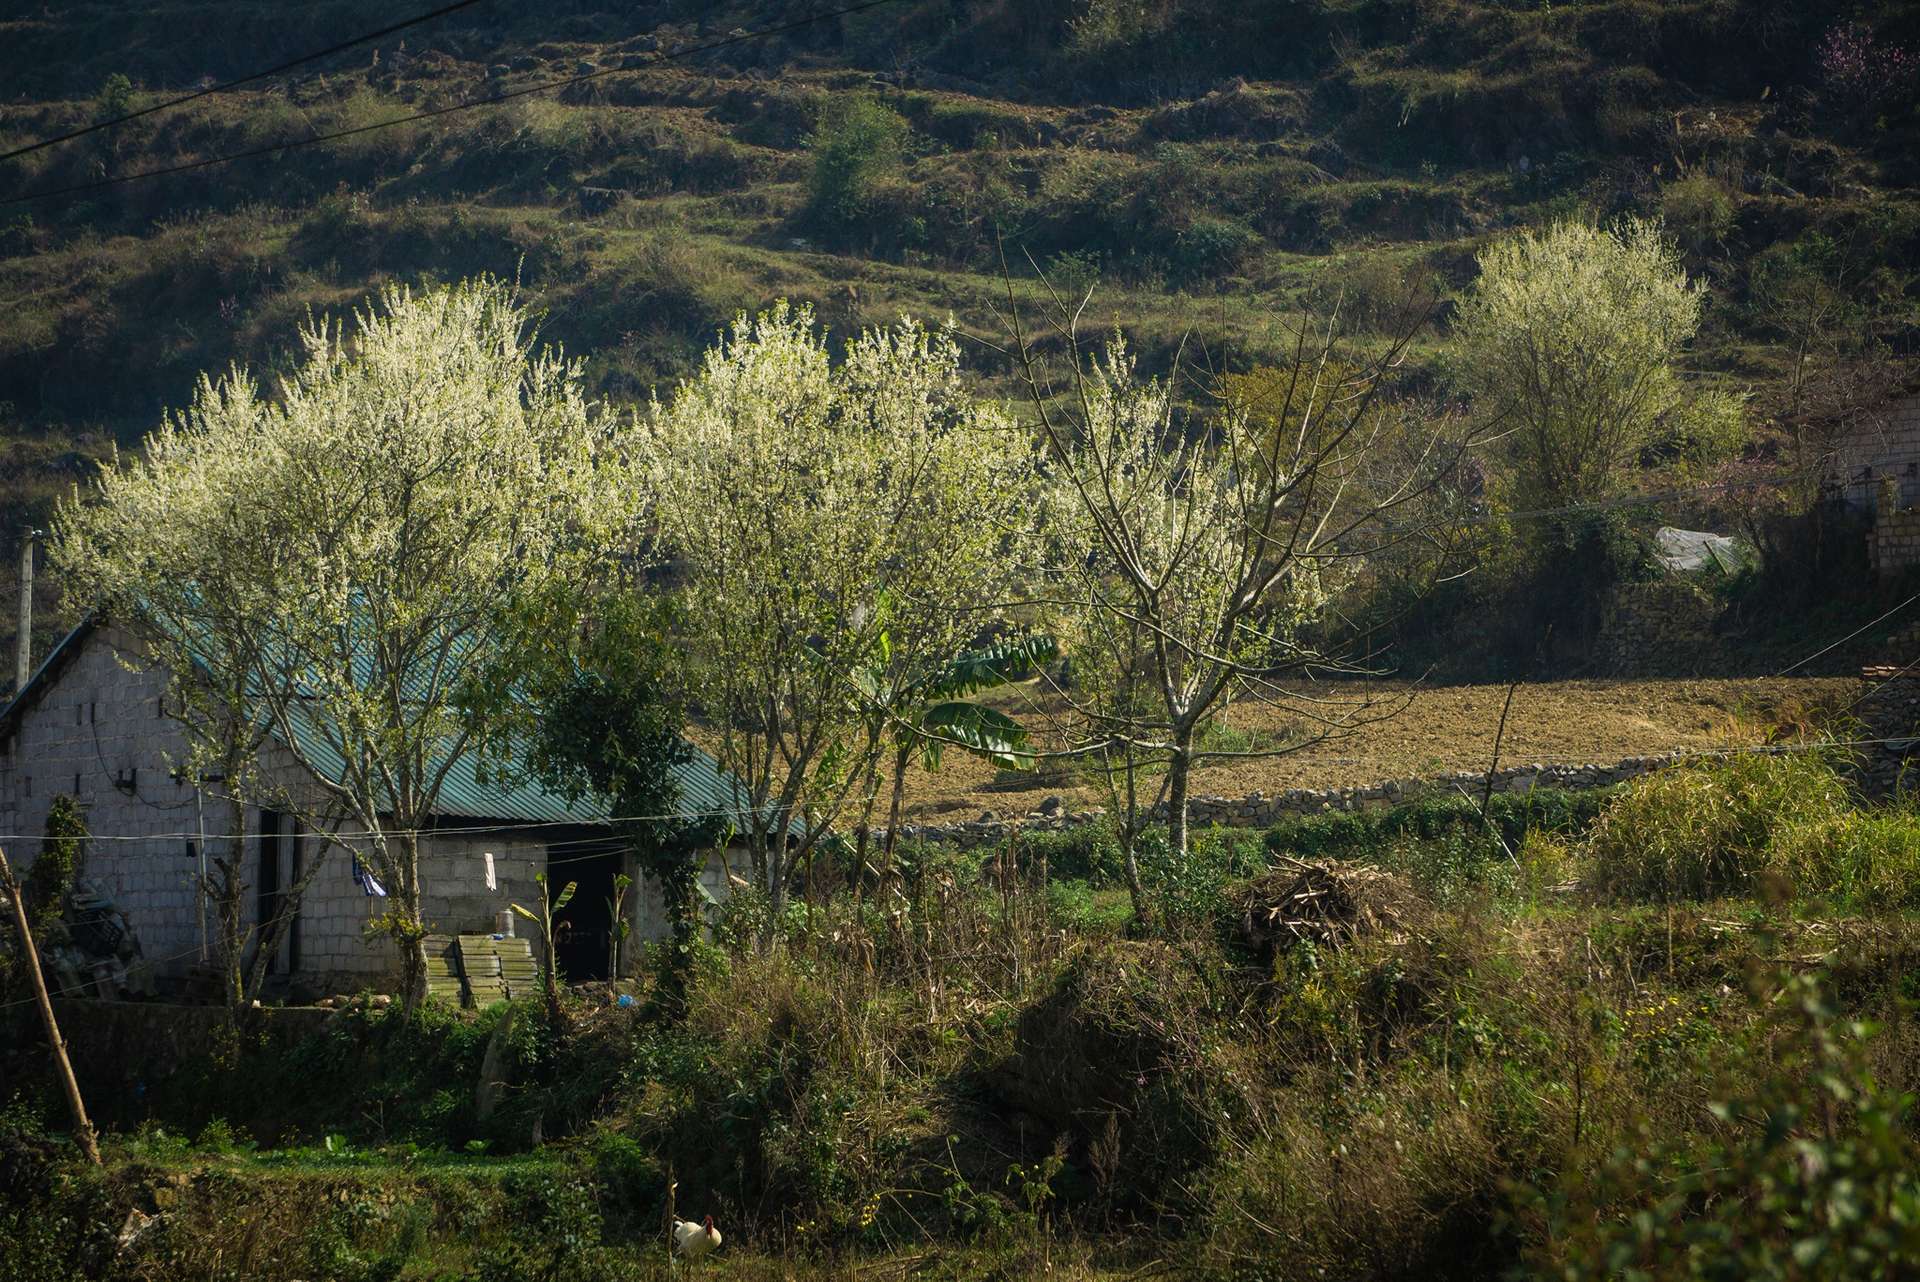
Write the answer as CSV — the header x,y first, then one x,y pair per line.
x,y
1874,466
90,725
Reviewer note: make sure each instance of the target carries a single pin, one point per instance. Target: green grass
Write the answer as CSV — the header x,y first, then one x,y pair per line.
x,y
992,1073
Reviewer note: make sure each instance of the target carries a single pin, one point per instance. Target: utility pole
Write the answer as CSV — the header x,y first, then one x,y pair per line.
x,y
82,1128
23,643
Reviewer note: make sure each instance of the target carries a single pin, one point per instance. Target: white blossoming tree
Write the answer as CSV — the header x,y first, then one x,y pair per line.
x,y
1567,342
1187,551
837,535
333,564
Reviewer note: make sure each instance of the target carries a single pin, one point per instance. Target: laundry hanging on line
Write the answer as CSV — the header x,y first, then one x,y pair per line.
x,y
368,882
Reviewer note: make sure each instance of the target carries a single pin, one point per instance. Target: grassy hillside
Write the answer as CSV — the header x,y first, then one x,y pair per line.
x,y
1209,166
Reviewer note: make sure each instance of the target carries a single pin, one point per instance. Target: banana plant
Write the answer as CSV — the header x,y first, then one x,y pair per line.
x,y
549,906
937,712
617,914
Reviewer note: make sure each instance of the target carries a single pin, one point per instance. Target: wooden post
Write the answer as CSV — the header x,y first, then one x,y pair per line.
x,y
82,1128
673,1188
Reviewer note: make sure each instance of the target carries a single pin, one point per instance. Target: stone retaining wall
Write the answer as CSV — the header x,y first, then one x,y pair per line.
x,y
1263,810
1664,627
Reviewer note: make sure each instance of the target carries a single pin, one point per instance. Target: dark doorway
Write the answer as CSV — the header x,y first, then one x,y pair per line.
x,y
583,930
268,878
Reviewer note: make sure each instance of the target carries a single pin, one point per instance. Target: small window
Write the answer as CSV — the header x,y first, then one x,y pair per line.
x,y
28,781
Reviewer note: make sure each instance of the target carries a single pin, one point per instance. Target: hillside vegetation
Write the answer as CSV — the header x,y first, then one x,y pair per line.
x,y
1659,1030
1204,167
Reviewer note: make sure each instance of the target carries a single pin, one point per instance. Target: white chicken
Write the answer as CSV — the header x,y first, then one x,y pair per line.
x,y
691,1241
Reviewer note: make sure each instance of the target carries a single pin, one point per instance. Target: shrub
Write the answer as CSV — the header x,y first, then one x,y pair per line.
x,y
114,98
1860,859
1699,209
1373,834
56,1220
1212,247
55,869
1858,68
1119,1054
1077,907
1808,1174
857,142
1578,560
1088,852
1194,889
1702,830
556,1219
1443,844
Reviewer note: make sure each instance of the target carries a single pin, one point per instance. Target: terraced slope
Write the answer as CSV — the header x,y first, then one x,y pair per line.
x,y
1208,166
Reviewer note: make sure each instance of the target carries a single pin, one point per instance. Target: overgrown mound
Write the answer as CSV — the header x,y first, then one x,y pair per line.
x,y
1117,1059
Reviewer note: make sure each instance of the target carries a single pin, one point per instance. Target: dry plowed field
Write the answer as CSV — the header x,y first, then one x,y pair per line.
x,y
1391,731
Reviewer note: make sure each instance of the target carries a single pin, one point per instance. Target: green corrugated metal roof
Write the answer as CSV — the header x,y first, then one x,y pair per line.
x,y
477,787
490,787
496,786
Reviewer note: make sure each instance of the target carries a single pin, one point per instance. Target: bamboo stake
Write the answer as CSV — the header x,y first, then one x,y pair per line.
x,y
673,1188
82,1128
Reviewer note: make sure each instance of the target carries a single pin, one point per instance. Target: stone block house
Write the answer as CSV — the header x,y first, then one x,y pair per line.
x,y
92,724
1874,466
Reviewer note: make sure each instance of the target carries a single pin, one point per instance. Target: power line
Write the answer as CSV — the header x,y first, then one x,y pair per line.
x,y
1850,636
685,51
301,61
446,830
1757,749
84,985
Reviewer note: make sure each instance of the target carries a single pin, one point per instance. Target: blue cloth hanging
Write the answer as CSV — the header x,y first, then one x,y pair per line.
x,y
368,882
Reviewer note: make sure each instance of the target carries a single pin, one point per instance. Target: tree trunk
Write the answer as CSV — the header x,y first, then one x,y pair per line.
x,y
1130,842
274,933
775,862
409,929
863,836
233,909
1130,851
901,757
1179,771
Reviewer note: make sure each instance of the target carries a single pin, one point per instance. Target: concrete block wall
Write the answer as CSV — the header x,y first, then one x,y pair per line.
x,y
99,733
649,914
336,948
1883,447
1894,544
